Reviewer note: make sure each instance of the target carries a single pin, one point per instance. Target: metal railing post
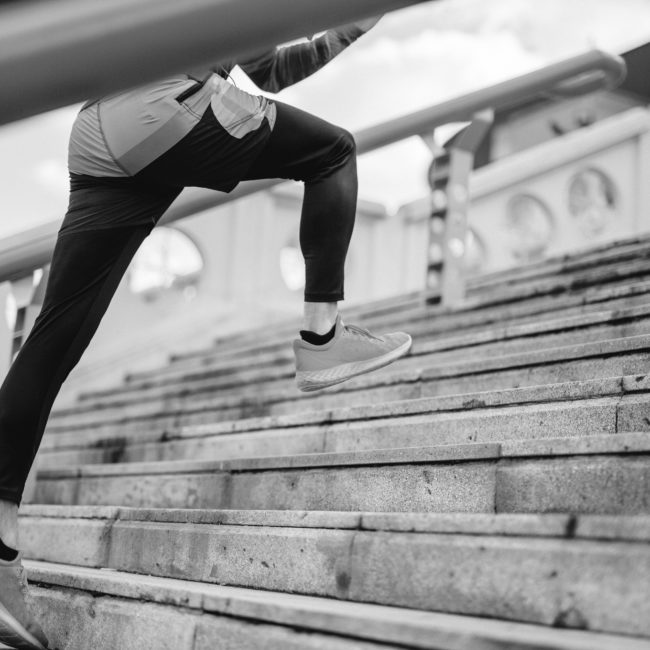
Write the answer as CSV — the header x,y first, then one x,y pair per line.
x,y
33,309
438,182
452,289
22,291
27,295
6,332
449,182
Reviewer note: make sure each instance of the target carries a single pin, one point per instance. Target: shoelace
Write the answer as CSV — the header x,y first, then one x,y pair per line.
x,y
361,332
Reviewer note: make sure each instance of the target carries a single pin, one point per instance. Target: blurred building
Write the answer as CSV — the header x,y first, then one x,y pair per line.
x,y
557,174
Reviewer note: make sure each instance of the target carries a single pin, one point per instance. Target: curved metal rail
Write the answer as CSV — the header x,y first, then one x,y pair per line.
x,y
57,52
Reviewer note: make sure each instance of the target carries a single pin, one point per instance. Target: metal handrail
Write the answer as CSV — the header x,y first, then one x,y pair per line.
x,y
20,254
57,52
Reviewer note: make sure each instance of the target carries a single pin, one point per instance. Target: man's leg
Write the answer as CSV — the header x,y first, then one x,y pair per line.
x,y
300,147
86,269
305,148
88,263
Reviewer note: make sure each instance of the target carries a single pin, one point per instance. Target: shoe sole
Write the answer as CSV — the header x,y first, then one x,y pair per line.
x,y
14,635
311,380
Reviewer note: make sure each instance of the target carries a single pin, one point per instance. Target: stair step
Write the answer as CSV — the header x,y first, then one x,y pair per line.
x,y
554,475
624,250
576,408
622,528
84,608
409,378
473,565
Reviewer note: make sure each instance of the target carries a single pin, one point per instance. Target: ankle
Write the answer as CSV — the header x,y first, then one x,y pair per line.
x,y
319,317
318,339
9,523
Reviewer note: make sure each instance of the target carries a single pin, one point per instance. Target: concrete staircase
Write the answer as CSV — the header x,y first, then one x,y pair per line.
x,y
489,491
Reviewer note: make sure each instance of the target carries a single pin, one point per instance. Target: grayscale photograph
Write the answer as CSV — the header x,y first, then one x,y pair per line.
x,y
324,325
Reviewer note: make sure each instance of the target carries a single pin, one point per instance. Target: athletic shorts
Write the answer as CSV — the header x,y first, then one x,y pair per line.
x,y
120,135
132,153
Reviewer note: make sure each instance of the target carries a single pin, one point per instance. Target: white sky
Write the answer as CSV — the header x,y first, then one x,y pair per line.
x,y
412,59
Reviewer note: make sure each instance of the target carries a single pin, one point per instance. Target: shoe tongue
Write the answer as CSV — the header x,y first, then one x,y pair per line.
x,y
362,331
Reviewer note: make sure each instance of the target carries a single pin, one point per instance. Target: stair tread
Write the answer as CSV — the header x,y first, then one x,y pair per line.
x,y
616,443
632,528
363,621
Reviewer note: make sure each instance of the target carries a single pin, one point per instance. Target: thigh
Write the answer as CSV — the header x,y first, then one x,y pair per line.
x,y
301,147
102,230
82,264
86,269
107,203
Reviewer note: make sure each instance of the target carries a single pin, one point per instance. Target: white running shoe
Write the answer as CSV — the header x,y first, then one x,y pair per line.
x,y
353,351
18,629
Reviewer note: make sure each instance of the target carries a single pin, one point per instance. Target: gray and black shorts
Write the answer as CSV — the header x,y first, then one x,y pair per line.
x,y
131,154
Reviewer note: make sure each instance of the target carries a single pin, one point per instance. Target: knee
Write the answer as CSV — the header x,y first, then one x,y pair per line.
x,y
340,155
345,145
